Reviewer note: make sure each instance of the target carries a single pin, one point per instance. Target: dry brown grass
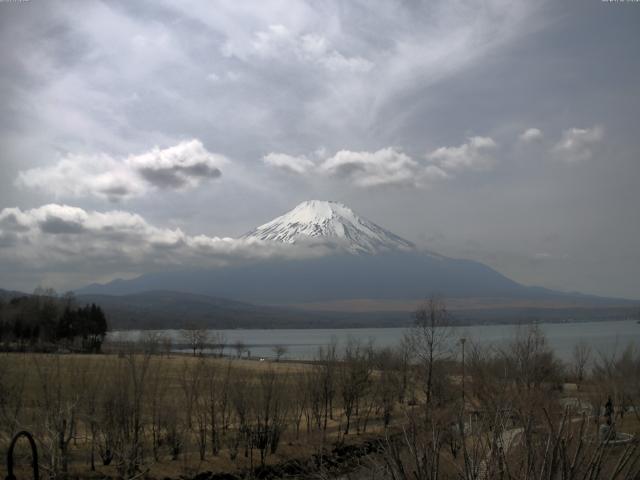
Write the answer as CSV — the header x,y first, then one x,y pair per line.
x,y
73,372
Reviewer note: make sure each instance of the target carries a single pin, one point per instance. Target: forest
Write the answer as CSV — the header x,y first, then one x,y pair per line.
x,y
45,322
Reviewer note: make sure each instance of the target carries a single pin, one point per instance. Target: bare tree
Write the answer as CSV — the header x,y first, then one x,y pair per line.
x,y
216,386
12,386
90,403
166,344
429,339
269,413
158,382
520,430
196,338
60,403
279,351
581,357
174,430
123,413
191,382
617,375
150,343
326,378
530,360
201,411
299,401
239,347
389,384
219,343
404,353
354,372
241,400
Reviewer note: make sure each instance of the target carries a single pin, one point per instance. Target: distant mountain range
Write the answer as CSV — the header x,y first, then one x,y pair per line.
x,y
369,266
170,309
167,309
7,295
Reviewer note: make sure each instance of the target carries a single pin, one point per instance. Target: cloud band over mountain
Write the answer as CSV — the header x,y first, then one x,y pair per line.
x,y
64,238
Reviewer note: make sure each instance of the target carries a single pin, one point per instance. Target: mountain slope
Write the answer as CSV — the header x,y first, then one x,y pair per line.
x,y
9,294
397,275
373,263
332,222
162,309
171,309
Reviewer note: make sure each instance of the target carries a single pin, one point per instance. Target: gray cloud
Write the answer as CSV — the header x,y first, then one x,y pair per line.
x,y
385,167
475,154
531,135
391,166
576,144
85,176
68,239
8,239
300,165
182,166
278,43
57,225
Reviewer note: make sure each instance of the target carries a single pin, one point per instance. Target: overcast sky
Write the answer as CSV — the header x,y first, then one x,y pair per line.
x,y
136,136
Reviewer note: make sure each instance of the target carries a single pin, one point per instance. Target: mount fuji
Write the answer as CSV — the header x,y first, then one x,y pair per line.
x,y
364,263
332,222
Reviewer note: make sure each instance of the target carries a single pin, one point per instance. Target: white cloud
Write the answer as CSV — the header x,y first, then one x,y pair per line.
x,y
385,167
279,43
300,165
228,76
182,166
576,144
434,173
63,236
85,176
531,135
476,154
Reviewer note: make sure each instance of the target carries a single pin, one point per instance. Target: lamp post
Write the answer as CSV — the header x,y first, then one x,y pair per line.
x,y
462,342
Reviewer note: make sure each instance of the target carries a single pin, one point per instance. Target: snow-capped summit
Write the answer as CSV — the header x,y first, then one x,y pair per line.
x,y
333,222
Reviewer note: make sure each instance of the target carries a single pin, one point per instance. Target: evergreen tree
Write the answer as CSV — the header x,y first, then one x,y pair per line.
x,y
43,319
65,329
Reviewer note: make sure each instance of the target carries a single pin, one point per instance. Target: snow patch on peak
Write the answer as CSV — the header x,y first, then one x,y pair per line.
x,y
331,222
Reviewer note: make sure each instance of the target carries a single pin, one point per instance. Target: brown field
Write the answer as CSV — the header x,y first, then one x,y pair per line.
x,y
81,377
133,414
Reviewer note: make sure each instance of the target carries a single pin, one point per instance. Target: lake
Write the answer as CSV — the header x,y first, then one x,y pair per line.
x,y
603,337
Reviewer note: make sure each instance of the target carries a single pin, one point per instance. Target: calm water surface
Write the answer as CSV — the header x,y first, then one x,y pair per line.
x,y
603,337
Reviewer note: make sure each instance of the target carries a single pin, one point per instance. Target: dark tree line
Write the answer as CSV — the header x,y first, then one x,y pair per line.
x,y
44,321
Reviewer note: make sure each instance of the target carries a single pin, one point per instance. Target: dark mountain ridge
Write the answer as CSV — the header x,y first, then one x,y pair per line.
x,y
393,275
